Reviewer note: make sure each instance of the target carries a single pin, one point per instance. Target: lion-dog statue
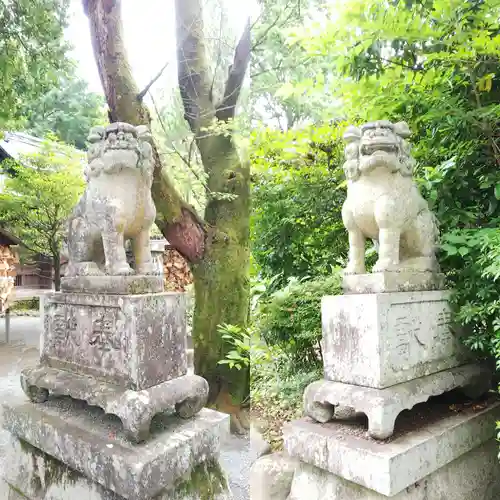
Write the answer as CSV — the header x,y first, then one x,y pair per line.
x,y
383,202
116,206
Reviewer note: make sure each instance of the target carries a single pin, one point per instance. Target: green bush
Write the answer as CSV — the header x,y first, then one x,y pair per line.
x,y
297,195
26,305
291,319
473,260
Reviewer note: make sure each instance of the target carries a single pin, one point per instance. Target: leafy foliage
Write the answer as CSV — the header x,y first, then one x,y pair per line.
x,y
40,195
291,319
473,260
298,193
273,98
32,52
239,340
68,110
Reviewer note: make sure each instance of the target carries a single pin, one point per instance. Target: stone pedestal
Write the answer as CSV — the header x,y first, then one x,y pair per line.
x,y
117,343
393,281
385,352
123,352
383,339
383,406
130,340
453,457
64,450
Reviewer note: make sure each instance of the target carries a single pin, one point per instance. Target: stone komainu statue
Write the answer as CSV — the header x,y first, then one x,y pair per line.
x,y
383,203
116,205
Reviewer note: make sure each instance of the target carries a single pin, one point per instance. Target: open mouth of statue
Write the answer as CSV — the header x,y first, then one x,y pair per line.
x,y
370,149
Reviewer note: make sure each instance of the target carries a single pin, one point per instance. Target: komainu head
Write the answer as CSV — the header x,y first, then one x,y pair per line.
x,y
119,146
379,144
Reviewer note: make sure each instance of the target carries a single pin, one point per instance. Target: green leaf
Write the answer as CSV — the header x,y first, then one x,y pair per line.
x,y
497,191
449,249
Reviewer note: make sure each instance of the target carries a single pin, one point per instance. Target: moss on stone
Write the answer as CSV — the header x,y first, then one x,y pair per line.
x,y
53,472
204,482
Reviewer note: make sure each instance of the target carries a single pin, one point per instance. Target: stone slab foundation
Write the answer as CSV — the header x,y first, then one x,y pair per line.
x,y
66,450
473,476
454,458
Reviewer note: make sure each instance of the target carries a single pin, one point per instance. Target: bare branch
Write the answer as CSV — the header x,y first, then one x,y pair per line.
x,y
274,24
219,57
142,93
237,71
186,161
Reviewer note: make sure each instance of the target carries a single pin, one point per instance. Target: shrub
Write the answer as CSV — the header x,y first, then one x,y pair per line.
x,y
291,319
26,304
472,258
298,193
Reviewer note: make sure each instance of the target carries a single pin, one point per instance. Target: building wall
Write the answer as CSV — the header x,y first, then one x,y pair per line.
x,y
8,261
35,274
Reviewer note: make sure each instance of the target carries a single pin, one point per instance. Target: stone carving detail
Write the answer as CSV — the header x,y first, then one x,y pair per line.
x,y
116,206
59,329
105,335
187,394
382,406
383,203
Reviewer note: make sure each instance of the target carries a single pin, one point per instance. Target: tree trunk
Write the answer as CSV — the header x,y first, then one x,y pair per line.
x,y
56,259
218,248
221,279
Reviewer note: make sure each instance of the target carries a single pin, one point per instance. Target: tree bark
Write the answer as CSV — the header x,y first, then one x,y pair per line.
x,y
218,249
221,277
56,259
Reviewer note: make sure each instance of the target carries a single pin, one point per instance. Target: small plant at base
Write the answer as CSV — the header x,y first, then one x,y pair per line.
x,y
239,339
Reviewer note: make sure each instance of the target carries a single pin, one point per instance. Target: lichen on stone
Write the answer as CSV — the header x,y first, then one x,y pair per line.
x,y
204,482
53,471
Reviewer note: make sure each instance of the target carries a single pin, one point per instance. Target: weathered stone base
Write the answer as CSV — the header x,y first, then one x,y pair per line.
x,y
392,281
383,339
66,450
473,476
188,394
382,406
115,285
134,341
455,458
205,481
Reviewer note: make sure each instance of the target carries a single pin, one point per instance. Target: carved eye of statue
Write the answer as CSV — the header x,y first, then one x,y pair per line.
x,y
96,134
143,134
402,129
112,137
352,134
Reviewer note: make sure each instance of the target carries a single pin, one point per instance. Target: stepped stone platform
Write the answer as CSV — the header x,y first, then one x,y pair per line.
x,y
66,439
389,468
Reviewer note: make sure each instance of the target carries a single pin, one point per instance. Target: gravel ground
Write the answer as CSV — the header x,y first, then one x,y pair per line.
x,y
236,457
